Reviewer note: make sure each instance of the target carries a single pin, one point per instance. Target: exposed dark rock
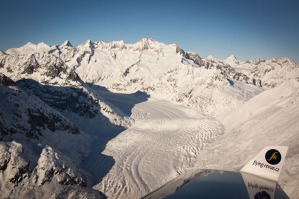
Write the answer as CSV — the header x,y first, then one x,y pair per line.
x,y
191,56
241,77
23,171
6,81
196,58
180,51
257,82
30,120
73,76
31,65
231,82
68,43
38,119
62,99
1,64
48,176
54,69
3,165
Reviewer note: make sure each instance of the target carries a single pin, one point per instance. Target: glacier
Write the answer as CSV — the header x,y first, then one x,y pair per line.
x,y
120,120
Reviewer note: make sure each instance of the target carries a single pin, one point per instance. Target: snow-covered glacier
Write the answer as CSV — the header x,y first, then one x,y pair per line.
x,y
120,120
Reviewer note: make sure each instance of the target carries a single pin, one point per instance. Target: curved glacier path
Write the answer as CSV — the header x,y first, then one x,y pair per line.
x,y
102,130
163,141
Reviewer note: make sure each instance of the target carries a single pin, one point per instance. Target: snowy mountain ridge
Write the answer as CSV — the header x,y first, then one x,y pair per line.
x,y
73,117
147,66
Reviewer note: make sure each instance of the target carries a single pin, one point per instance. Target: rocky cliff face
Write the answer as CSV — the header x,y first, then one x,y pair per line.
x,y
27,114
28,124
71,99
45,175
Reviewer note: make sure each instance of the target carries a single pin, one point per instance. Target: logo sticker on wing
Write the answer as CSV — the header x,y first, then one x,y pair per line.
x,y
273,156
267,163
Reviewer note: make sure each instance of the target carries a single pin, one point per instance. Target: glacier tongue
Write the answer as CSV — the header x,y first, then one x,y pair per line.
x,y
164,142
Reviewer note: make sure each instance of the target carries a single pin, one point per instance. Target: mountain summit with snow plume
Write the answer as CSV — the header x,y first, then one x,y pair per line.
x,y
119,120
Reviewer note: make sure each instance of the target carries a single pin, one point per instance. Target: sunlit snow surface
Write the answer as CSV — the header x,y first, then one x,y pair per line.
x,y
159,115
271,117
164,141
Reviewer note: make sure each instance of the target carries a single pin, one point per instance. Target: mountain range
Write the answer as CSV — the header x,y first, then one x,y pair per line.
x,y
119,120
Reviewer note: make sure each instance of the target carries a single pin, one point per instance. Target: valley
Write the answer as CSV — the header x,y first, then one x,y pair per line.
x,y
120,120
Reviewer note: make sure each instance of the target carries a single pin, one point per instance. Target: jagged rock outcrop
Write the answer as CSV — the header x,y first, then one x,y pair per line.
x,y
67,98
53,165
6,81
29,117
13,163
26,172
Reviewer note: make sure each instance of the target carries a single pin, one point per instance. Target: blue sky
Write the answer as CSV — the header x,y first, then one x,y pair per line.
x,y
248,29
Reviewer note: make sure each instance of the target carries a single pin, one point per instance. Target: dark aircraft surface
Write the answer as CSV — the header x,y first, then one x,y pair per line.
x,y
257,180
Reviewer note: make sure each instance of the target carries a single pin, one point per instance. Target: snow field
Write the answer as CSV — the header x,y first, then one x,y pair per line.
x,y
164,141
270,118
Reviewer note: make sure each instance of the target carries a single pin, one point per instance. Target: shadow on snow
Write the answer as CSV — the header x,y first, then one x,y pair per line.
x,y
85,112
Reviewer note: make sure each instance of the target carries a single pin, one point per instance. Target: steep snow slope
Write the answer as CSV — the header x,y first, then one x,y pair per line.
x,y
271,118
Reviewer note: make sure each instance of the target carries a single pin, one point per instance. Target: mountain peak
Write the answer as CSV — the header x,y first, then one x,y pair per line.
x,y
193,54
119,42
210,57
87,42
42,45
146,43
232,58
147,40
67,43
283,61
29,48
2,53
29,45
